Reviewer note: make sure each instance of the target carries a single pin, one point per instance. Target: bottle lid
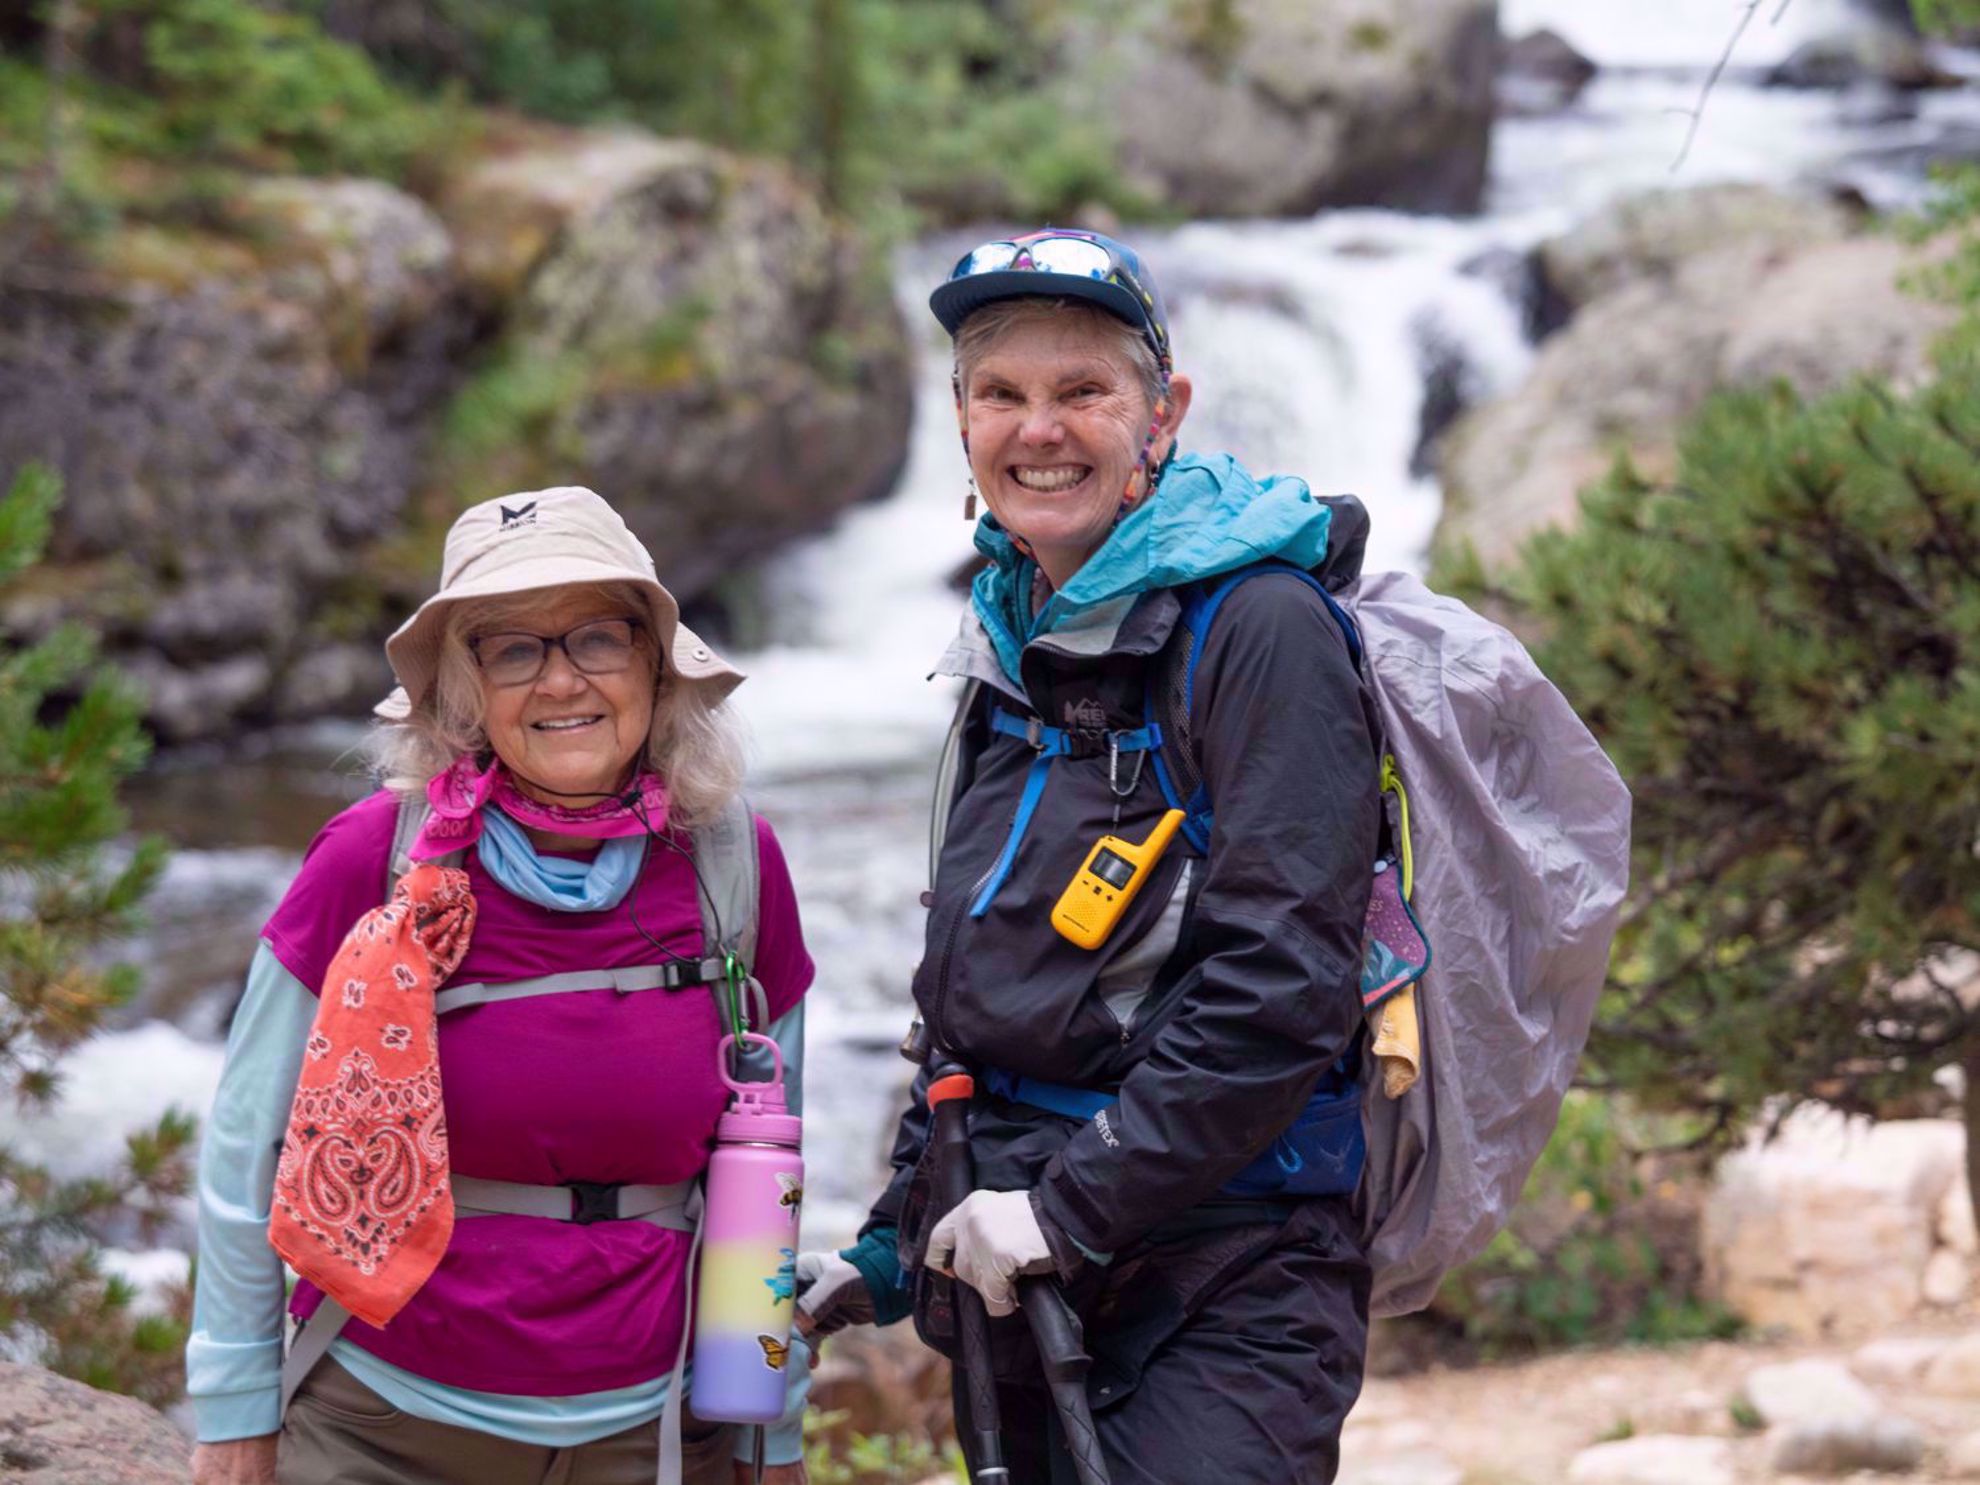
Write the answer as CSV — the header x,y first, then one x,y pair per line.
x,y
757,1112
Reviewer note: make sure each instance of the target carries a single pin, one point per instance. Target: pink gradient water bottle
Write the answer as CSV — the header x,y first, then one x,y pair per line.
x,y
749,1245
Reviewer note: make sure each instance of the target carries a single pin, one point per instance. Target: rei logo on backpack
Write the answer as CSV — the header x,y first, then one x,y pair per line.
x,y
1512,864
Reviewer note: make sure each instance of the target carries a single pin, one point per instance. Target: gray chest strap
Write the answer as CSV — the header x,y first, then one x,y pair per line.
x,y
677,1206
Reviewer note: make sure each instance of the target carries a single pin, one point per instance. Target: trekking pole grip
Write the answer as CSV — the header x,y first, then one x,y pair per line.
x,y
1062,1349
950,1088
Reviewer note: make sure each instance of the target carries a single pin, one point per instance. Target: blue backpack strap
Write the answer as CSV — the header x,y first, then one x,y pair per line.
x,y
1048,743
1200,605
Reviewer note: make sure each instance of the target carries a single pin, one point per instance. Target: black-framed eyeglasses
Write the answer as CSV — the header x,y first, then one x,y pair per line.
x,y
515,658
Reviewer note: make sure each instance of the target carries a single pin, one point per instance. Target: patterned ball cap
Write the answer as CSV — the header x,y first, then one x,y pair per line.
x,y
1020,267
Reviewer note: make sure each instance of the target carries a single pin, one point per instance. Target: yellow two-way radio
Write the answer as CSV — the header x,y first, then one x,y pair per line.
x,y
1102,888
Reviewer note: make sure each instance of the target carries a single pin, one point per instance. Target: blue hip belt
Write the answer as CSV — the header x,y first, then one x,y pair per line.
x,y
1321,1154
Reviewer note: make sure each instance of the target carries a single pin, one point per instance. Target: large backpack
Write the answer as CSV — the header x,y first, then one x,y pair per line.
x,y
1519,834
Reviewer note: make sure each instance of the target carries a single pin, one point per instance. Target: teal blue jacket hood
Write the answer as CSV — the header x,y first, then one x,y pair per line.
x,y
1207,516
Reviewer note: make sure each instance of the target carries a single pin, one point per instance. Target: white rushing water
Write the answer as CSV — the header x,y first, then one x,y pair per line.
x,y
1678,33
1308,342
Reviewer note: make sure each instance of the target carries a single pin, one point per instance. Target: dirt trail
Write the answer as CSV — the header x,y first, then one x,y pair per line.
x,y
1521,1423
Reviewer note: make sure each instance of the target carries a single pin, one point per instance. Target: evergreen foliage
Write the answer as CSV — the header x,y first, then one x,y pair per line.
x,y
884,103
1781,650
69,736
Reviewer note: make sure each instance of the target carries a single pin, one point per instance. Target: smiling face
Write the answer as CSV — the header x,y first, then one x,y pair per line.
x,y
1056,415
567,732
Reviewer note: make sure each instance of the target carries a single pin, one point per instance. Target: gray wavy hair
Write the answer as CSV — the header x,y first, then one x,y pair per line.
x,y
699,750
986,327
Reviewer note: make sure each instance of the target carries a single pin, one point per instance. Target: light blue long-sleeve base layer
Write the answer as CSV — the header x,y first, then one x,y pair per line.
x,y
234,1357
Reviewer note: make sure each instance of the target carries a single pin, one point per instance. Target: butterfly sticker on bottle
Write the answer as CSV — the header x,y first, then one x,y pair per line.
x,y
775,1352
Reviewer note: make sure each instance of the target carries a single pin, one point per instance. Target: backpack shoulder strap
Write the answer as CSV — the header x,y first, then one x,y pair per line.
x,y
413,810
947,772
725,855
1173,694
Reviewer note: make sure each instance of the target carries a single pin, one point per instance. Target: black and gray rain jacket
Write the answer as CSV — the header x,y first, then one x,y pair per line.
x,y
1230,987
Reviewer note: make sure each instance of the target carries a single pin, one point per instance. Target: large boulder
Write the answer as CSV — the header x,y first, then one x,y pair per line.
x,y
57,1432
732,371
1541,73
1891,56
1627,372
264,431
1281,107
1648,237
1828,1229
236,417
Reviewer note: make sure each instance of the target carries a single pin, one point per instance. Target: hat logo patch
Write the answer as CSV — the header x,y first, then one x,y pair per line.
x,y
522,516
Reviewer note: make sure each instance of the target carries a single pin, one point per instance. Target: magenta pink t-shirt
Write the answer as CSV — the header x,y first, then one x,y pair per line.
x,y
588,1085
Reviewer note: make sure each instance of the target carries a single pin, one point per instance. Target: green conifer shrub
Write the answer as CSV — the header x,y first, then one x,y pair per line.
x,y
69,735
1781,651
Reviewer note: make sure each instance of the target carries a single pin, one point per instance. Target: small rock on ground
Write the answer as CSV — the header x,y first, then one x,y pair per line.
x,y
1888,1445
1655,1459
1813,1391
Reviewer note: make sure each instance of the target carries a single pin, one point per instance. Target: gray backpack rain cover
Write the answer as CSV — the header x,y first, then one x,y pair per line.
x,y
1520,832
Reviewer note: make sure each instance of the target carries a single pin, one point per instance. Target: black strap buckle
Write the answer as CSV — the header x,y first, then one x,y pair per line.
x,y
593,1201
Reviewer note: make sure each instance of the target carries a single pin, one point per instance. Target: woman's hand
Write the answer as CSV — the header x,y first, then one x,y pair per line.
x,y
831,1296
773,1474
242,1462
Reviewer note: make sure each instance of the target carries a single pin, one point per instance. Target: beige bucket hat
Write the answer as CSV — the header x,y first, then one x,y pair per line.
x,y
544,539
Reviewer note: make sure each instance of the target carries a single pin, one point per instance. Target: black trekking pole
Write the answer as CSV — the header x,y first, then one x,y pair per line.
x,y
1062,1349
950,1088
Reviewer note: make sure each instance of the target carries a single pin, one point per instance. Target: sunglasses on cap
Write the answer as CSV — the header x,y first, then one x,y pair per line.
x,y
1069,255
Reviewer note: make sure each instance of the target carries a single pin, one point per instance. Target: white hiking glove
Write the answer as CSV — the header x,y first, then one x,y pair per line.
x,y
994,1236
832,1294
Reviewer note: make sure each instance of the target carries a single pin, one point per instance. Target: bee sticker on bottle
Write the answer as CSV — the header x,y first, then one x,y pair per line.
x,y
1102,888
790,1193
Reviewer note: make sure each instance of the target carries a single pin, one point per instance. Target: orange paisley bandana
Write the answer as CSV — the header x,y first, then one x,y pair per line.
x,y
362,1207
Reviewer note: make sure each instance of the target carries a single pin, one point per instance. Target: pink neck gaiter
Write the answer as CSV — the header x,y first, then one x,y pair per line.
x,y
458,794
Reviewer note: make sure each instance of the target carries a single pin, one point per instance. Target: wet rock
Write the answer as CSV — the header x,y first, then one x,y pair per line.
x,y
57,1432
1518,276
1287,106
1654,1459
1625,374
1885,1445
1955,1372
1649,236
1450,385
1541,73
1877,54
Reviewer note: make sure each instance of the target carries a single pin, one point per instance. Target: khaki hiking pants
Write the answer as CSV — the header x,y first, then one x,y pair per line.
x,y
339,1432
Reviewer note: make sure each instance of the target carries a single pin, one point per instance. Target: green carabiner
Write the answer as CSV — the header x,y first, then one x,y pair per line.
x,y
734,974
